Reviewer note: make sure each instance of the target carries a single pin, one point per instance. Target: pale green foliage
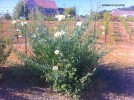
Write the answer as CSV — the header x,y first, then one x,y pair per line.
x,y
1,27
66,62
128,29
124,22
131,19
106,21
97,16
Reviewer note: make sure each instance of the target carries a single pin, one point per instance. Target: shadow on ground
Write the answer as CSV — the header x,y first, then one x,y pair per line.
x,y
16,83
111,84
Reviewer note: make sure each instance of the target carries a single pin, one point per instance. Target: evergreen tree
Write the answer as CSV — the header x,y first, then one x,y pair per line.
x,y
6,16
21,10
70,11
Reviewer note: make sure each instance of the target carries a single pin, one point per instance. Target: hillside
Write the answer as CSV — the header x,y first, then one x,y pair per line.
x,y
131,8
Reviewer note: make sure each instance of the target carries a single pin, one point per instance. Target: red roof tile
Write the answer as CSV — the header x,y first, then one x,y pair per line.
x,y
43,3
30,2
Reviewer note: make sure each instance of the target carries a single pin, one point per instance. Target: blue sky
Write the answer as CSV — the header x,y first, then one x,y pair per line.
x,y
83,6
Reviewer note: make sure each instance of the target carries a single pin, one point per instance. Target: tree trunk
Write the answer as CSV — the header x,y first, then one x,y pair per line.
x,y
105,38
130,38
26,44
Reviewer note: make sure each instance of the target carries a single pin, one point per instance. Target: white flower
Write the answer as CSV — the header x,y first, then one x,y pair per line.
x,y
57,34
37,28
78,23
14,21
102,27
62,32
103,33
34,36
55,28
17,30
23,23
20,36
56,52
60,17
55,67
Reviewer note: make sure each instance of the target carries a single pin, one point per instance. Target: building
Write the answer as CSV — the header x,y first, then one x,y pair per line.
x,y
48,7
61,11
117,12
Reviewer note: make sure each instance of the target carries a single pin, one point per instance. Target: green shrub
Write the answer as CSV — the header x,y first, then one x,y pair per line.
x,y
1,27
106,21
66,62
4,52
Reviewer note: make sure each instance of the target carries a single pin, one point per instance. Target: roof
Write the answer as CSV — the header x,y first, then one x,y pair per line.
x,y
42,3
117,12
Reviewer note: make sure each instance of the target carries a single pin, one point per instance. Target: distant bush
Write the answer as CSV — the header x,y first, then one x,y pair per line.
x,y
48,18
127,28
66,61
34,16
124,22
130,19
6,16
115,18
70,11
1,27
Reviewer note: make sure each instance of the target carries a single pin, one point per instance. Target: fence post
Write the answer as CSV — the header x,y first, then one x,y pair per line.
x,y
25,41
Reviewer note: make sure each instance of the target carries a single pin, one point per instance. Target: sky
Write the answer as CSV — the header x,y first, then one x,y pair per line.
x,y
83,6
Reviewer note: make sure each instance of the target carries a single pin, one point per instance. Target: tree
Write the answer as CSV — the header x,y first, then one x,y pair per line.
x,y
70,11
97,16
128,29
106,17
6,16
21,10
